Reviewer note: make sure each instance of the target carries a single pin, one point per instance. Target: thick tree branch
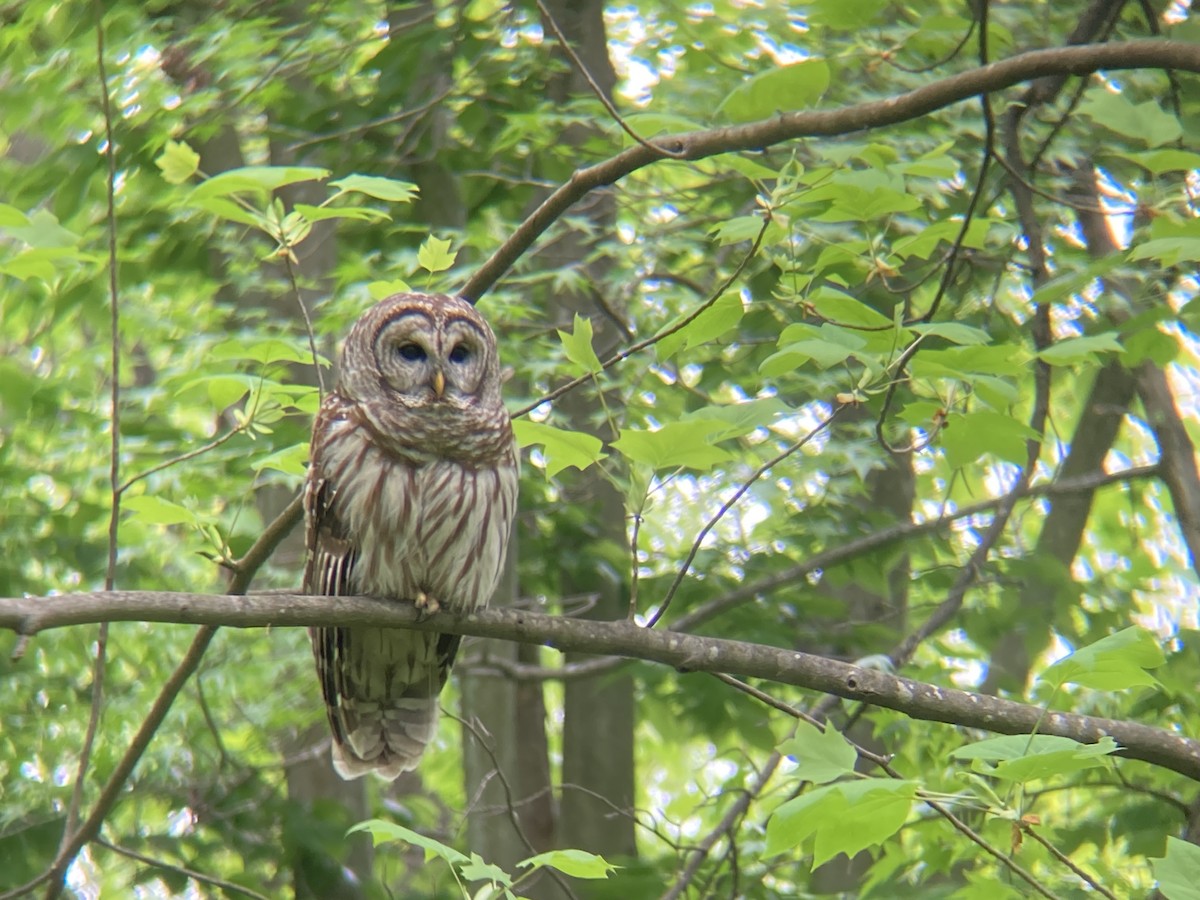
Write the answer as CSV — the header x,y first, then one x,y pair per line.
x,y
1060,62
687,653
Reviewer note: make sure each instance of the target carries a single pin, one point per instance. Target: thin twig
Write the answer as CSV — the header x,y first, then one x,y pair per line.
x,y
884,763
183,457
242,571
635,566
726,826
308,325
1066,861
110,576
655,338
599,91
510,802
729,504
227,886
116,782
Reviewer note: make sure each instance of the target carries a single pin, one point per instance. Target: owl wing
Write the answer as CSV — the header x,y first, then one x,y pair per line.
x,y
380,685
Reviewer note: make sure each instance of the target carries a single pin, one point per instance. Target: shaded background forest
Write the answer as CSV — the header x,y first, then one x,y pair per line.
x,y
996,297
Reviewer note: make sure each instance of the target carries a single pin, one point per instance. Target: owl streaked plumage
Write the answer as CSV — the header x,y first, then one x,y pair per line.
x,y
411,492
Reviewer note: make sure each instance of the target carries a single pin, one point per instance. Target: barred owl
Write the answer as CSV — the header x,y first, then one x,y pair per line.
x,y
411,491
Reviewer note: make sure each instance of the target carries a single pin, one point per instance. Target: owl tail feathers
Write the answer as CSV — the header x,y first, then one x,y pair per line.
x,y
388,742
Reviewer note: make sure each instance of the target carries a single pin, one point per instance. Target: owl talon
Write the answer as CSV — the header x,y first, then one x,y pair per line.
x,y
426,605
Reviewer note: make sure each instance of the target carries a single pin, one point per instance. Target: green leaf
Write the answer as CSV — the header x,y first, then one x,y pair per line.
x,y
576,863
289,460
1145,122
391,189
1023,758
157,511
380,290
675,444
845,15
652,124
777,90
178,162
227,209
717,321
267,350
382,832
255,179
435,255
321,213
741,418
1113,663
223,390
1077,350
955,332
1170,251
845,817
821,756
1178,872
476,869
10,216
1075,281
561,448
44,232
826,346
923,244
841,309
968,437
1168,159
577,344
737,229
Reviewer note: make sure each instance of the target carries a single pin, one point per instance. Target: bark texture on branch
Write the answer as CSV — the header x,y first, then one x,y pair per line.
x,y
685,652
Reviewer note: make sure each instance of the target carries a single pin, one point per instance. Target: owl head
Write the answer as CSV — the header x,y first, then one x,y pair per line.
x,y
428,352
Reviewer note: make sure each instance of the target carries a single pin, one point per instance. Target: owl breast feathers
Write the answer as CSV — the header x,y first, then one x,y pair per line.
x,y
411,492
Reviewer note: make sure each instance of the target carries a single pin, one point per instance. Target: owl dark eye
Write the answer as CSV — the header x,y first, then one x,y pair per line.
x,y
460,353
411,352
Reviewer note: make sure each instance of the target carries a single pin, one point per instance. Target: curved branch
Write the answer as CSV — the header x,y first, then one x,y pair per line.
x,y
1059,61
685,652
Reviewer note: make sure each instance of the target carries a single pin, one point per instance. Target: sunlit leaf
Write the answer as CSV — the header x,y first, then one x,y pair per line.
x,y
380,290
255,179
971,435
676,444
435,255
1178,872
577,344
955,332
1073,351
322,213
178,162
1113,663
382,832
841,309
717,321
845,817
777,90
821,756
560,448
1145,122
158,510
265,351
390,189
576,863
11,216
1024,758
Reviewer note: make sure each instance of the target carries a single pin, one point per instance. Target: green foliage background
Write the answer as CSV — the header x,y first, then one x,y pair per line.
x,y
854,248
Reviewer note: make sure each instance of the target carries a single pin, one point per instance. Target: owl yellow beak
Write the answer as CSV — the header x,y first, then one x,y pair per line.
x,y
439,383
